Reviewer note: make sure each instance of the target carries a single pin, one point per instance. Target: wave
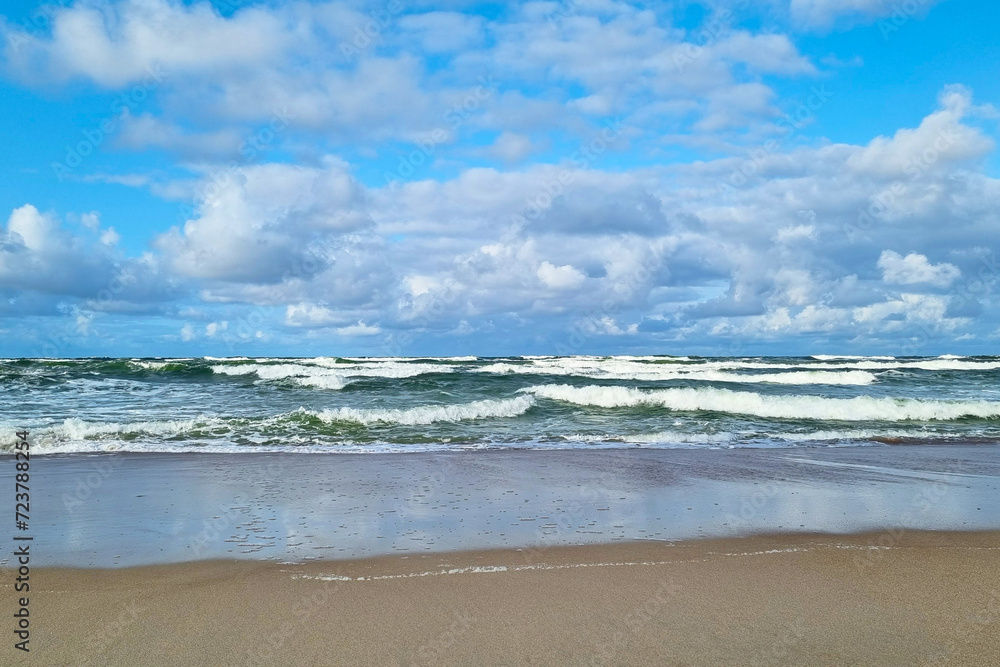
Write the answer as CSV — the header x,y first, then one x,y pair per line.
x,y
323,376
331,381
74,429
864,364
655,372
305,376
834,357
861,408
380,369
316,373
428,414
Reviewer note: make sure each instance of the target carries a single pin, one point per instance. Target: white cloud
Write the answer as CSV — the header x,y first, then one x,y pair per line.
x,y
914,269
213,75
266,223
795,233
309,315
359,329
607,326
110,237
444,32
560,277
39,254
119,43
83,321
213,328
511,147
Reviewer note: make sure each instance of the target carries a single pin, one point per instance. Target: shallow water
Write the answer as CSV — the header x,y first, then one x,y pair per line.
x,y
129,509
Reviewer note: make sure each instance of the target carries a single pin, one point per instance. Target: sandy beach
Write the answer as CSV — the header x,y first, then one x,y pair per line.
x,y
889,598
871,555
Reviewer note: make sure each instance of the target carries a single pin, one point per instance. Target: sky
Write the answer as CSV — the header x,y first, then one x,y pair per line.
x,y
399,178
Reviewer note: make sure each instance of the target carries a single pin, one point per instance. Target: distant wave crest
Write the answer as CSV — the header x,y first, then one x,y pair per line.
x,y
860,408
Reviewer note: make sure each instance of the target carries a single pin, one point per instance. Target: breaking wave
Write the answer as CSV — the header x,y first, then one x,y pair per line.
x,y
861,408
428,414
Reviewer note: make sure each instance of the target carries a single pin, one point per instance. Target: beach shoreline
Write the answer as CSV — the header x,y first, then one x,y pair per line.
x,y
115,510
806,555
890,597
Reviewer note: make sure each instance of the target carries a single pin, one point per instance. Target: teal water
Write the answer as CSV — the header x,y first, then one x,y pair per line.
x,y
339,405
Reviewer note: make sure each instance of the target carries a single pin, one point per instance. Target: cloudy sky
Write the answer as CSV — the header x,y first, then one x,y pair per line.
x,y
586,176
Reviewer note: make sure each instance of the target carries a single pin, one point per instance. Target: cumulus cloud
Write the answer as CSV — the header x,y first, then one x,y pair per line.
x,y
40,254
359,329
914,269
212,72
560,277
266,223
622,236
116,44
667,253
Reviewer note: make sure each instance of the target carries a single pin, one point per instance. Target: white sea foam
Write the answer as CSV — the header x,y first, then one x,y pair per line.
x,y
684,438
409,359
861,408
393,369
495,569
428,414
272,371
320,372
76,431
150,365
331,381
864,364
833,357
631,370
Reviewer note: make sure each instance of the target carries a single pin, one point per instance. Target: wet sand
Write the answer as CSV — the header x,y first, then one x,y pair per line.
x,y
889,598
140,509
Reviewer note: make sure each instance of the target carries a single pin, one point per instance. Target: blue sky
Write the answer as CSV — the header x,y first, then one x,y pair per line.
x,y
390,178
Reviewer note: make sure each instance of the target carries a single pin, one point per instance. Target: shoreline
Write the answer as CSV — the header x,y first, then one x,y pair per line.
x,y
915,597
118,510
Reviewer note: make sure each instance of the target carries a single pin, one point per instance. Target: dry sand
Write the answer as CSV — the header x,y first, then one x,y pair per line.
x,y
924,598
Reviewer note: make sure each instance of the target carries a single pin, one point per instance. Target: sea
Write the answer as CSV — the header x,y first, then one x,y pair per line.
x,y
337,405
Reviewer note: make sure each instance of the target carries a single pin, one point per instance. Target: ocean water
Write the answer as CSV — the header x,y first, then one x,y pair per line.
x,y
351,405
